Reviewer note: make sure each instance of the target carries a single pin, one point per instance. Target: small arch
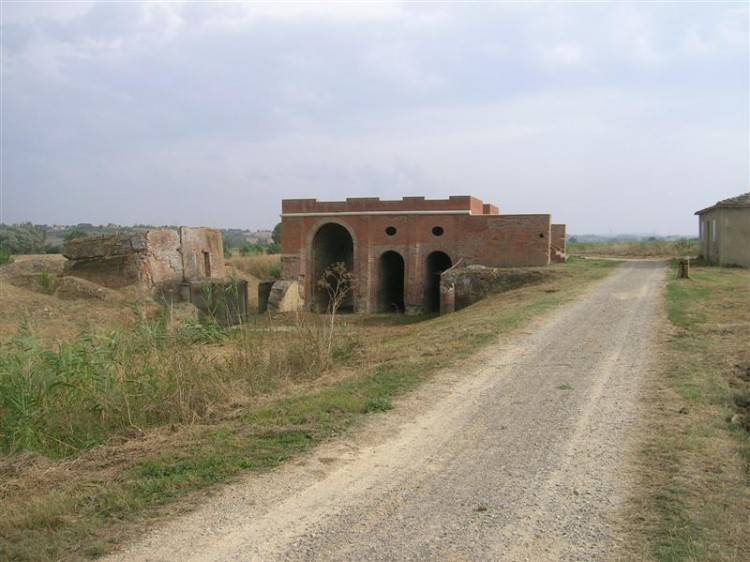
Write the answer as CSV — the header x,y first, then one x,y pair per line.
x,y
331,244
391,273
437,262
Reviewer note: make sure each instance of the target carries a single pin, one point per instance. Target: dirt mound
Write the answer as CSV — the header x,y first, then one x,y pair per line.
x,y
56,318
25,271
70,288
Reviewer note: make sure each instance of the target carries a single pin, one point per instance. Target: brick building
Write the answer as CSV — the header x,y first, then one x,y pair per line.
x,y
398,249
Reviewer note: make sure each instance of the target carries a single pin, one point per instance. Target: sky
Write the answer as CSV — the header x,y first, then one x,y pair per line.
x,y
614,117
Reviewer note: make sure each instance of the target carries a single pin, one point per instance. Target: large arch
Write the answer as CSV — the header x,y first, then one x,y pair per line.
x,y
437,262
391,273
331,244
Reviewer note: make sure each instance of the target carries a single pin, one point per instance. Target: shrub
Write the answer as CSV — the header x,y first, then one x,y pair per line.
x,y
5,256
46,283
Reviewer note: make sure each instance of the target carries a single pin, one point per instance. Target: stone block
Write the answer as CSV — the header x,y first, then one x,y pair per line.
x,y
285,297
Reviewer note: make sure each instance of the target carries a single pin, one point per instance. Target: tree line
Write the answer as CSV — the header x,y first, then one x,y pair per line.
x,y
28,238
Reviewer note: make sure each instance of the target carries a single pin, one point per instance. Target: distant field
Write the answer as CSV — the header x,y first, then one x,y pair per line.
x,y
635,249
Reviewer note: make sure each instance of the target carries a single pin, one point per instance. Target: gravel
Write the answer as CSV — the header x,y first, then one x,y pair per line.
x,y
515,455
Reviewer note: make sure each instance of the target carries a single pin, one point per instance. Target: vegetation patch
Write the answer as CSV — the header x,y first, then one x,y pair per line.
x,y
648,248
692,479
265,267
103,430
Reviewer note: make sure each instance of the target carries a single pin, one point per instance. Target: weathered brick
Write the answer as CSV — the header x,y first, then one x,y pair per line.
x,y
366,233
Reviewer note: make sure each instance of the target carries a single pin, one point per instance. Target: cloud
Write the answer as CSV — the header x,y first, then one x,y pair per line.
x,y
563,54
133,110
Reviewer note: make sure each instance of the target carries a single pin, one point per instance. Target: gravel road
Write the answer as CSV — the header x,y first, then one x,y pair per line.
x,y
515,455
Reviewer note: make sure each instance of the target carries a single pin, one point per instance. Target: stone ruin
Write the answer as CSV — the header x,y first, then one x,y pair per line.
x,y
183,265
149,259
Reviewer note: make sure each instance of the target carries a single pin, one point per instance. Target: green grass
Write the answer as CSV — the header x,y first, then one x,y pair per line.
x,y
249,405
695,478
74,396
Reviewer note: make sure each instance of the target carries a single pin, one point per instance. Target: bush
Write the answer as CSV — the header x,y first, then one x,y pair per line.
x,y
5,256
22,238
46,283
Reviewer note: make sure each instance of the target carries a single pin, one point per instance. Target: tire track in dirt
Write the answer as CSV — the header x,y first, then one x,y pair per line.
x,y
515,455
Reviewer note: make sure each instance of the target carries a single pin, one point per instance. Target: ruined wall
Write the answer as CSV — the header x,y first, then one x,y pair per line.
x,y
160,261
110,261
473,283
558,244
459,230
153,258
202,253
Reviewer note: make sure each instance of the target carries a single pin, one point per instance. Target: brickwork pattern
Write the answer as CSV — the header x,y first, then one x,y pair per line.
x,y
466,230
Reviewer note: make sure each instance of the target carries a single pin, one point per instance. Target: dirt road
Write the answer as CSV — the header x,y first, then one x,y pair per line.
x,y
515,455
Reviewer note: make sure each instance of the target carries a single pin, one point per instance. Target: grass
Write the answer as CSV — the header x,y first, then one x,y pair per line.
x,y
46,283
106,431
692,481
635,249
263,266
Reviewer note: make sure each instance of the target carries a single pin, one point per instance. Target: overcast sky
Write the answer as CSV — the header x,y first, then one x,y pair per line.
x,y
614,117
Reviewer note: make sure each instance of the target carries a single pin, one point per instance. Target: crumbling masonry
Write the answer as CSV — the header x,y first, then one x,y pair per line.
x,y
397,250
150,259
183,265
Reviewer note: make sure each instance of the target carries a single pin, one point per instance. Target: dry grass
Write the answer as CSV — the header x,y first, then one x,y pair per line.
x,y
254,269
691,476
83,504
262,266
636,249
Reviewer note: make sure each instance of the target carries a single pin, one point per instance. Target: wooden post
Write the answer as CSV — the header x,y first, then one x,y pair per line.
x,y
683,269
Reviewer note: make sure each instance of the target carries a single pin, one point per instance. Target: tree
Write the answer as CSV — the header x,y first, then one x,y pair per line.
x,y
276,234
22,238
251,249
338,283
74,233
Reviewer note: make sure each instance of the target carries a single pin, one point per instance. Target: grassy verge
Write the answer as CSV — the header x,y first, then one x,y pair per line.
x,y
692,494
117,430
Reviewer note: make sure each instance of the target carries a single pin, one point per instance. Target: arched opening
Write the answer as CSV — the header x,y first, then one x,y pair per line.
x,y
437,262
391,282
331,244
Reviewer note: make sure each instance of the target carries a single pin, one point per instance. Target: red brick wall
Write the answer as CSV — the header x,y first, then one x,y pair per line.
x,y
472,233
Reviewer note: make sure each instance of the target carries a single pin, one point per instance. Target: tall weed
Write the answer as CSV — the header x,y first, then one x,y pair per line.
x,y
59,401
62,400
